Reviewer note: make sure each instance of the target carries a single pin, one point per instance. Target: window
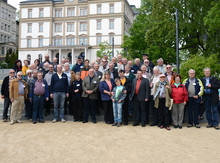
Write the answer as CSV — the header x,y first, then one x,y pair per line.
x,y
29,27
99,9
70,41
111,39
83,27
9,28
41,12
58,27
111,8
98,25
83,40
58,12
29,13
58,41
41,43
3,51
41,27
70,27
111,24
71,12
29,42
83,11
40,57
98,39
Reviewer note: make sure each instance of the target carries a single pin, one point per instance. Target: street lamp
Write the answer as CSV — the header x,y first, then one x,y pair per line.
x,y
177,41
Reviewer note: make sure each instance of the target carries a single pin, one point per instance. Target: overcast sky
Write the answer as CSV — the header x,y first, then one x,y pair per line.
x,y
15,3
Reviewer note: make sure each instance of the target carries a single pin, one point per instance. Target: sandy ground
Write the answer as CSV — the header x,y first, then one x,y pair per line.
x,y
99,143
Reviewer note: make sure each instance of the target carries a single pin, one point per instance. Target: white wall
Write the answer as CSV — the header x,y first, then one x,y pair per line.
x,y
34,55
35,12
105,8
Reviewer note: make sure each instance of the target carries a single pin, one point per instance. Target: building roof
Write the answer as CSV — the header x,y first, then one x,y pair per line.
x,y
30,1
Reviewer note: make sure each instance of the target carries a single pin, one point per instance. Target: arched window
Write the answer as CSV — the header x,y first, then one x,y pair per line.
x,y
70,57
57,56
29,58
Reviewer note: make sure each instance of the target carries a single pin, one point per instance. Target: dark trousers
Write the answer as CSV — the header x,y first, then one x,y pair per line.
x,y
77,110
193,111
147,111
163,113
7,103
211,112
125,112
89,109
28,109
153,112
48,104
38,108
67,109
108,111
139,111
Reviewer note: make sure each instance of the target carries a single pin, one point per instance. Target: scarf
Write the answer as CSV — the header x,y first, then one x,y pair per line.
x,y
160,89
177,85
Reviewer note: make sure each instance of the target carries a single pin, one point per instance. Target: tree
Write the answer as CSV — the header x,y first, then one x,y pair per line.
x,y
105,49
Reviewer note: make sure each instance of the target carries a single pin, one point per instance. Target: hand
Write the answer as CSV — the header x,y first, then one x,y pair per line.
x,y
113,100
47,99
110,93
195,97
167,86
151,85
3,96
219,97
51,95
12,99
209,85
76,91
125,91
119,101
89,92
184,102
67,95
30,99
146,99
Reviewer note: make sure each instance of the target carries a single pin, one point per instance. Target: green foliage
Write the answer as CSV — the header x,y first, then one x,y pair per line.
x,y
10,59
104,49
198,63
154,29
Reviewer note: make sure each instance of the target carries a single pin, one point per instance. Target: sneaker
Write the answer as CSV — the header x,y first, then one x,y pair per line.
x,y
114,124
84,121
175,126
54,121
161,127
12,122
216,127
19,121
168,128
5,120
189,125
63,120
209,126
119,124
197,126
180,127
34,122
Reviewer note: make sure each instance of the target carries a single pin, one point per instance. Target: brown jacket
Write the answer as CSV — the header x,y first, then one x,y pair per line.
x,y
168,92
13,89
94,85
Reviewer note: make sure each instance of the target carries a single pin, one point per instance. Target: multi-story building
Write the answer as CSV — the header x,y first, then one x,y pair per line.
x,y
8,42
69,28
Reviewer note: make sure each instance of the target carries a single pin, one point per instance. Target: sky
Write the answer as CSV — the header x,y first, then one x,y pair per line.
x,y
15,3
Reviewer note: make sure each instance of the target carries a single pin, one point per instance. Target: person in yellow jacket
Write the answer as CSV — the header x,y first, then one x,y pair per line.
x,y
25,67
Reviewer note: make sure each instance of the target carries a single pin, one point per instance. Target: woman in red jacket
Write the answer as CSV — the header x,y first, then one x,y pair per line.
x,y
180,97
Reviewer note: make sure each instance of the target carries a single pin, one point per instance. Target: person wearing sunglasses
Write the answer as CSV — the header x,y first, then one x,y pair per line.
x,y
5,93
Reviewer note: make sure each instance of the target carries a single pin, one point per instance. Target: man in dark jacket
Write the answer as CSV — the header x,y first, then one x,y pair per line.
x,y
90,86
113,71
78,66
210,98
5,93
139,95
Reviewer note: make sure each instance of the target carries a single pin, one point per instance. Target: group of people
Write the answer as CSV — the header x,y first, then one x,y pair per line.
x,y
137,91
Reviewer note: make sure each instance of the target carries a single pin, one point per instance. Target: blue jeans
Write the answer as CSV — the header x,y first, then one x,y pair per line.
x,y
211,112
59,99
117,109
193,111
38,108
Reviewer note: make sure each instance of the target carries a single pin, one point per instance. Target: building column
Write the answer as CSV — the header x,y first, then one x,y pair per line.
x,y
72,56
86,53
60,56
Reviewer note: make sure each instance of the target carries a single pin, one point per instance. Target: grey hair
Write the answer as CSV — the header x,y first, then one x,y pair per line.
x,y
207,68
192,70
160,59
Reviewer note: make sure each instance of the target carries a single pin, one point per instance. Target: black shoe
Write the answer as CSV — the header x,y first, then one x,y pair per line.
x,y
84,121
216,127
34,122
189,125
209,126
175,126
119,124
143,125
125,123
94,121
153,124
108,122
41,121
180,127
135,124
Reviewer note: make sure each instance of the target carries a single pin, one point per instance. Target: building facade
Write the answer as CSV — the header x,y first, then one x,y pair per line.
x,y
69,28
8,27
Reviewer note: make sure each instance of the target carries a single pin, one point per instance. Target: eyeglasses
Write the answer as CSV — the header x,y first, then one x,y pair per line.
x,y
19,75
12,72
168,67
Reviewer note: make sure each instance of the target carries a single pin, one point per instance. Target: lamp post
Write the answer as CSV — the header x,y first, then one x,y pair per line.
x,y
113,42
177,41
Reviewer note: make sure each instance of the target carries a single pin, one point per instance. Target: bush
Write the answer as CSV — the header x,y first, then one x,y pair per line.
x,y
198,63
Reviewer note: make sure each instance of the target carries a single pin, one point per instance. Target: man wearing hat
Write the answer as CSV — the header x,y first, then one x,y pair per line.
x,y
78,66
